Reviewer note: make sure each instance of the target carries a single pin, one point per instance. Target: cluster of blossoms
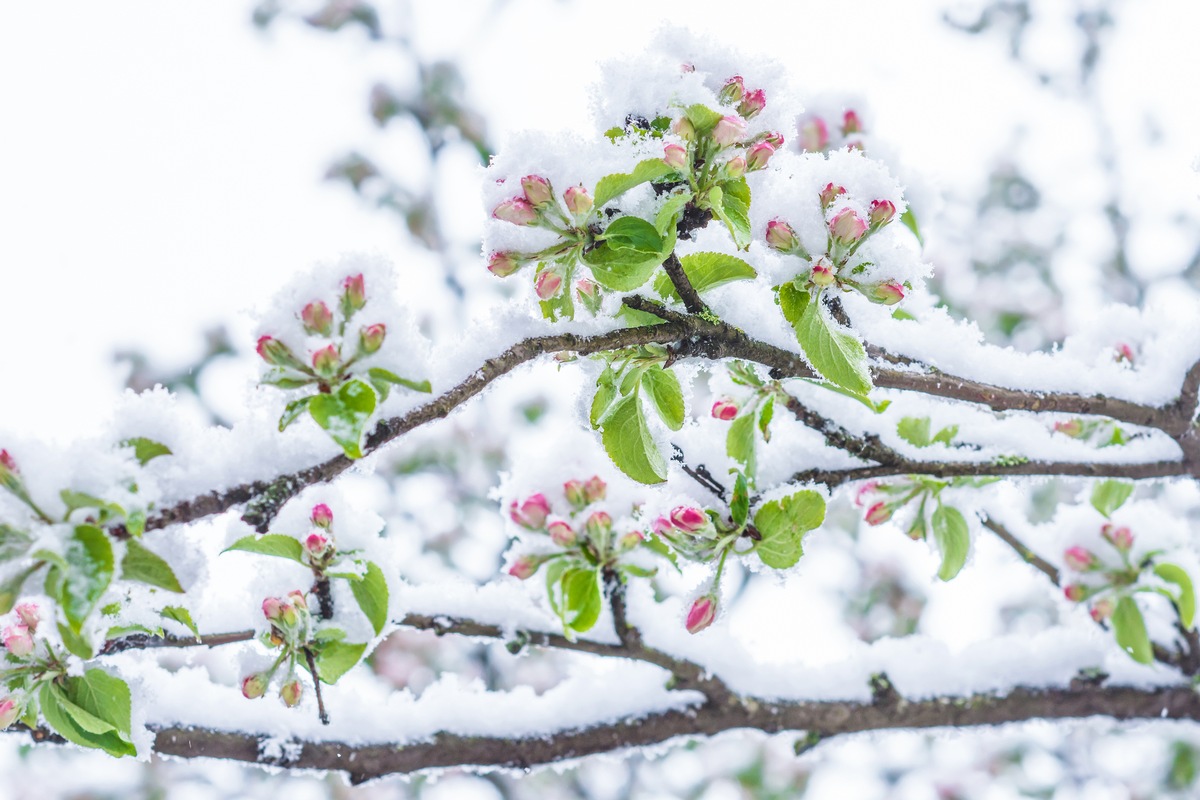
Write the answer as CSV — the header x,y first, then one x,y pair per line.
x,y
697,162
320,549
1102,582
816,135
847,231
28,661
699,536
291,630
882,500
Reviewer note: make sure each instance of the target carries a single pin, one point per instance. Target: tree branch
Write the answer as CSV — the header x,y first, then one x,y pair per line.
x,y
1027,555
145,641
683,286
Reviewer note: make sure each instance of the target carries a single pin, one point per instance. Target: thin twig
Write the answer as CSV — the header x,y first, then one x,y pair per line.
x,y
312,668
146,641
1027,555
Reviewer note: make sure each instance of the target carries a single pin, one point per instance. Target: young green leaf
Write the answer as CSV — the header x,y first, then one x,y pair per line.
x,y
783,523
915,431
344,414
614,185
632,233
74,501
182,616
336,658
1130,629
379,375
953,539
372,595
626,439
834,353
1185,604
706,271
910,221
1108,496
10,589
13,542
624,270
292,412
143,565
665,394
88,559
91,711
730,202
668,216
766,413
739,506
946,435
739,444
606,393
270,544
75,643
579,599
145,450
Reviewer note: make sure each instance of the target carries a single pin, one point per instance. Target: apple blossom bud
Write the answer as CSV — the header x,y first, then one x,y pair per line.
x,y
573,490
887,293
598,524
1079,559
317,318
561,533
531,512
752,103
878,514
781,236
1102,609
735,167
724,409
866,489
881,213
1075,592
1072,428
503,264
822,275
18,641
9,464
9,711
663,527
272,609
316,545
29,616
578,200
516,210
1124,353
630,540
689,518
702,613
675,156
773,138
1120,538
589,294
847,227
370,338
547,284
321,516
830,194
595,489
537,190
684,129
760,154
254,686
732,91
276,353
850,122
729,130
291,692
298,600
354,294
326,361
814,135
525,566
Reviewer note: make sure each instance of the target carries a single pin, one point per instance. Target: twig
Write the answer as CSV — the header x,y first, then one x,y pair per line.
x,y
312,668
146,641
1027,555
683,286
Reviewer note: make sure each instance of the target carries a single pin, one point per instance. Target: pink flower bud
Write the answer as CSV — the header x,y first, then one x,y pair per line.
x,y
882,212
18,641
866,489
531,512
732,91
1079,559
773,138
29,616
887,293
573,490
589,294
735,167
326,361
598,524
814,135
1120,538
684,129
1102,609
663,527
760,154
561,533
847,227
503,264
595,489
322,517
537,190
354,294
630,540
272,609
298,600
1072,428
547,285
254,686
878,514
1075,592
316,545
752,103
822,275
516,210
525,566
317,318
8,463
291,692
850,122
781,236
724,409
689,518
675,156
578,200
729,130
275,353
9,711
702,613
370,338
830,194
1124,353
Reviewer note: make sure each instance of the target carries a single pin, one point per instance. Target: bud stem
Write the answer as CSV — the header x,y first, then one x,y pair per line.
x,y
312,668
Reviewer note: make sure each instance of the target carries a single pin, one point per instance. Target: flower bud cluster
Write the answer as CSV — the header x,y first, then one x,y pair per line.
x,y
320,549
291,630
25,658
880,500
819,133
1102,581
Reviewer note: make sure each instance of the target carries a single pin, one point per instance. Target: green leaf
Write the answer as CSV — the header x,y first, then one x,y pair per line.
x,y
135,522
632,233
659,547
662,387
627,440
329,635
739,506
703,118
706,271
606,392
142,564
946,435
65,707
292,412
10,590
146,449
834,353
730,202
632,318
765,414
13,542
344,414
74,501
668,216
617,184
1185,604
270,544
75,643
372,596
1130,630
381,376
103,695
915,431
783,523
953,539
1108,496
578,598
88,557
336,658
739,444
182,616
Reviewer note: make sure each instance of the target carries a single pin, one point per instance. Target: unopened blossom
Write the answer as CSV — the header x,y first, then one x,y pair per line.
x,y
316,545
1124,353
298,600
735,167
850,122
561,533
684,129
254,686
272,608
629,541
503,264
830,194
864,492
531,512
1120,538
29,615
881,213
354,293
814,135
1075,592
847,227
1102,609
732,91
547,285
675,156
822,274
724,409
276,353
688,518
729,130
752,103
370,338
317,318
702,613
595,489
1079,559
516,210
326,361
589,293
878,513
663,526
573,491
18,641
537,190
9,711
291,692
578,201
524,567
321,516
773,138
781,236
1072,428
598,524
759,155
887,293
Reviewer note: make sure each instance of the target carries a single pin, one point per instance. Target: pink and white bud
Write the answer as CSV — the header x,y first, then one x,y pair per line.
x,y
733,90
317,318
822,274
752,103
864,491
322,516
830,194
675,156
503,264
781,236
578,201
274,352
9,711
326,361
589,294
887,293
516,210
689,518
531,512
1075,592
290,693
573,490
881,213
759,155
370,338
354,293
814,135
702,613
851,123
724,409
298,600
847,227
254,686
1102,609
525,567
1080,559
316,545
1124,353
663,527
595,489
1072,428
29,615
630,540
537,190
1120,538
878,513
562,534
7,462
729,130
735,167
773,138
684,129
598,524
18,641
547,285
272,609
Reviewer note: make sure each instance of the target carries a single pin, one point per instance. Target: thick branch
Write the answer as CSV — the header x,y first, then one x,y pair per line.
x,y
956,469
683,286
